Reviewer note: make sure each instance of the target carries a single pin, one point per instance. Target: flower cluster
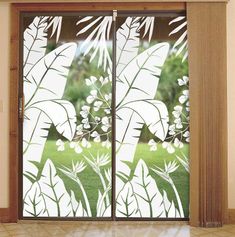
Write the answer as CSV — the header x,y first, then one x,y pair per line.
x,y
178,132
95,117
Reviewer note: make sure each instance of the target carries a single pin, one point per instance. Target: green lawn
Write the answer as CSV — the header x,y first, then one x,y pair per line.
x,y
91,181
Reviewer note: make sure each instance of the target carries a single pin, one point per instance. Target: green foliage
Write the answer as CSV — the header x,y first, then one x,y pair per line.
x,y
76,90
168,88
91,182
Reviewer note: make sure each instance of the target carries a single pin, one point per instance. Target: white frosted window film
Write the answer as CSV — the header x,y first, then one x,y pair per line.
x,y
67,119
68,151
152,118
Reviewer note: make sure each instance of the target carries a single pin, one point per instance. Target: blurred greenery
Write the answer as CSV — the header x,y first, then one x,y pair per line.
x,y
76,90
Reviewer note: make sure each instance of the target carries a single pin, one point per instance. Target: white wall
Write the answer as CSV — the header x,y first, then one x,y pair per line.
x,y
231,103
4,101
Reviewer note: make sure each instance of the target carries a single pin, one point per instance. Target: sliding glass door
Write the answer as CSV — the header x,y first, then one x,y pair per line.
x,y
106,115
152,118
67,116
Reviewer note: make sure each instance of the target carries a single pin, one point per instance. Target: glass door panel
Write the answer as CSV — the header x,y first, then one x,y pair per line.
x,y
67,85
79,72
152,118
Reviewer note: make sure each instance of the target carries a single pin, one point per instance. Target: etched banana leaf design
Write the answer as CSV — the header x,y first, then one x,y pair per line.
x,y
141,197
137,82
49,197
44,84
181,44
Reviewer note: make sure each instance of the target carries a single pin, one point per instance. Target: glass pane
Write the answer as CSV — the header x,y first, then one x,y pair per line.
x,y
152,118
67,121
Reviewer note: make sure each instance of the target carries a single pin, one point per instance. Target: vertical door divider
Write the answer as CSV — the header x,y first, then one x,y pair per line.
x,y
113,205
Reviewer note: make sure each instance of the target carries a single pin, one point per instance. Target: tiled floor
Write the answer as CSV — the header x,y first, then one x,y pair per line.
x,y
111,229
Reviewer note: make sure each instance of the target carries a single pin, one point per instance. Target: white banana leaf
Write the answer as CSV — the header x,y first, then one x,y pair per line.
x,y
53,190
46,81
149,198
34,203
127,43
35,41
136,89
126,203
61,113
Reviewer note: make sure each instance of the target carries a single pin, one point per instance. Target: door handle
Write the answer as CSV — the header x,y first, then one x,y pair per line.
x,y
21,107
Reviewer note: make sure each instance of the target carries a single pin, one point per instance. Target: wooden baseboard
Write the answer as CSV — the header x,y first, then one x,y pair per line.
x,y
231,216
4,215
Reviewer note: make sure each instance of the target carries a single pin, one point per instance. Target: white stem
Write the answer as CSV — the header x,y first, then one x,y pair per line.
x,y
101,201
178,198
85,197
104,187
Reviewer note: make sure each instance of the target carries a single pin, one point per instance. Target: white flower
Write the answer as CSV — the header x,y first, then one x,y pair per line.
x,y
187,136
106,144
108,96
183,98
86,123
85,143
102,160
72,144
178,123
79,130
167,145
172,129
77,148
60,145
171,167
177,111
153,145
178,143
85,111
187,107
78,167
103,80
97,105
97,119
107,111
183,81
165,173
96,136
91,81
72,172
105,124
92,96
98,161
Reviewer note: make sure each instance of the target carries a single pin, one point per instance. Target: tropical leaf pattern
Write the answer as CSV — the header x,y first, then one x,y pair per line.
x,y
35,41
138,73
97,39
181,45
126,202
56,24
132,96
